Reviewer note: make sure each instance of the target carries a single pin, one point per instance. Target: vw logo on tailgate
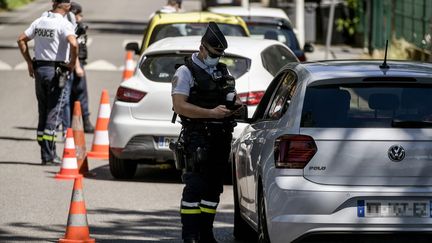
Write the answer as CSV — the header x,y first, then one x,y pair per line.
x,y
396,153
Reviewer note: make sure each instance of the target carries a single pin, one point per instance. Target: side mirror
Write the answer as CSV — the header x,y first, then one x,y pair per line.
x,y
132,46
308,47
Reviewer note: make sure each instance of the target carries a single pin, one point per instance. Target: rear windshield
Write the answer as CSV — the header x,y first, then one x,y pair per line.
x,y
161,68
274,32
360,106
192,29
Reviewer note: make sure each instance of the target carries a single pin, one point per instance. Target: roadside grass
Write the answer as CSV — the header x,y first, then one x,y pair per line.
x,y
12,4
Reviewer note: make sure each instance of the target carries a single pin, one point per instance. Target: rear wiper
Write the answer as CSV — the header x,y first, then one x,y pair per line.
x,y
411,124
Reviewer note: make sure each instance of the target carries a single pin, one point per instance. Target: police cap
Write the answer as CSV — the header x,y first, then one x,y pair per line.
x,y
61,1
214,40
75,8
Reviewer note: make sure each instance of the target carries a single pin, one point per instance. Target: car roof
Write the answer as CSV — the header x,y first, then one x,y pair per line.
x,y
252,11
239,46
195,17
267,21
365,68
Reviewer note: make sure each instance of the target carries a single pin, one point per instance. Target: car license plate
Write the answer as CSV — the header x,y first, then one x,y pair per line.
x,y
393,208
163,142
224,1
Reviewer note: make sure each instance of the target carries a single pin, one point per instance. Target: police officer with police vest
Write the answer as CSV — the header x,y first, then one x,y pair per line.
x,y
55,54
79,80
204,96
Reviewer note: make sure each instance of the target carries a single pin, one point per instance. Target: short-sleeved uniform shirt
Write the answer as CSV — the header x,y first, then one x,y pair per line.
x,y
50,36
182,80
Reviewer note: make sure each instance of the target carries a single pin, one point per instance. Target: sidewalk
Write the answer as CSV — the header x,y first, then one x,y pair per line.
x,y
337,52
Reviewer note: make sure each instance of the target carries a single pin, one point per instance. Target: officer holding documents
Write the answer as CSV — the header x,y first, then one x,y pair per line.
x,y
204,96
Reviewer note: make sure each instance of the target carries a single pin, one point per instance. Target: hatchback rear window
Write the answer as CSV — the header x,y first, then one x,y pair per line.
x,y
161,68
274,32
363,106
192,29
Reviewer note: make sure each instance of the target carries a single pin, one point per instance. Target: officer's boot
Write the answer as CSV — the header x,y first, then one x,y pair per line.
x,y
88,127
206,228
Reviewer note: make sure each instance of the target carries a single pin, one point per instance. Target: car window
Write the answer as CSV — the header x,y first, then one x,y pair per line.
x,y
161,68
237,66
274,32
378,106
275,57
192,29
262,106
283,95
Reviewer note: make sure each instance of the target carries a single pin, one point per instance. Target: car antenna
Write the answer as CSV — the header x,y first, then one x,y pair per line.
x,y
384,65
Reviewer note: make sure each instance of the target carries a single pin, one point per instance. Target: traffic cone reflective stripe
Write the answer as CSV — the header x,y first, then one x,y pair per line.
x,y
77,230
100,145
69,166
79,138
129,65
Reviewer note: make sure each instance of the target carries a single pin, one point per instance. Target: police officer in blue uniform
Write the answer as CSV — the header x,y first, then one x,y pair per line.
x,y
79,80
204,96
55,53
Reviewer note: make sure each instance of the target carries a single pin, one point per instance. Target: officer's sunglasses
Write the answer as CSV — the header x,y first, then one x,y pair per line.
x,y
212,55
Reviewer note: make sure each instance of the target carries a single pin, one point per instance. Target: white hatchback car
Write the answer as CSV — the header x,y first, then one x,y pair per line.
x,y
140,127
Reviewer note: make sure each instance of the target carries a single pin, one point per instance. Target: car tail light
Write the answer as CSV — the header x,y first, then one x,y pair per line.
x,y
251,98
294,151
129,95
302,58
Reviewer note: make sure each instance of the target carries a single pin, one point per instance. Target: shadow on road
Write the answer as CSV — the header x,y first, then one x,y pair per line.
x,y
19,163
144,174
7,236
27,128
17,139
137,226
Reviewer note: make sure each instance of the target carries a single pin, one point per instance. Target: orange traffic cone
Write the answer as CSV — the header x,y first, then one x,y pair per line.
x,y
100,145
69,166
129,65
79,138
77,230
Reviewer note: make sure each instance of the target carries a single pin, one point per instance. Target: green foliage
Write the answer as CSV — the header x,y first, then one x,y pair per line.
x,y
13,4
351,22
348,24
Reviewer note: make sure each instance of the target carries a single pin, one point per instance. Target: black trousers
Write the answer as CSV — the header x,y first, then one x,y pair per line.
x,y
48,96
207,153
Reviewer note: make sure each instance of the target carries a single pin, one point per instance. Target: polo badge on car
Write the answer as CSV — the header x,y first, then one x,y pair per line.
x,y
396,153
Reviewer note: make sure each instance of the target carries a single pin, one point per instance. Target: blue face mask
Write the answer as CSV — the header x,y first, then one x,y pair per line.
x,y
211,62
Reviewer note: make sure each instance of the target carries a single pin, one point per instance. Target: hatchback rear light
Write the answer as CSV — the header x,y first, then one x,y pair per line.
x,y
251,98
129,95
302,58
294,151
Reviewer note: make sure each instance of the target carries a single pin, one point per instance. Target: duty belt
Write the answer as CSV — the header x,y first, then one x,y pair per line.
x,y
208,124
46,63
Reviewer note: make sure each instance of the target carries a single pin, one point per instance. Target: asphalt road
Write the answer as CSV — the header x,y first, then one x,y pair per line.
x,y
33,205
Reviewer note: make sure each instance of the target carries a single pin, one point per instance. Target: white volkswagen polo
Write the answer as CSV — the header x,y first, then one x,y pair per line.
x,y
140,127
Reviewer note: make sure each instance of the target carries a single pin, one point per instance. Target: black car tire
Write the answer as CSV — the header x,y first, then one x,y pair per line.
x,y
263,236
242,230
122,168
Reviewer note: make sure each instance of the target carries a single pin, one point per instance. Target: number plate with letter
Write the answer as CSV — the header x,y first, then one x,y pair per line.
x,y
163,142
393,208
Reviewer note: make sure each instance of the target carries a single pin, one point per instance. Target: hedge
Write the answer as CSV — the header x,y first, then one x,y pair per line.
x,y
12,4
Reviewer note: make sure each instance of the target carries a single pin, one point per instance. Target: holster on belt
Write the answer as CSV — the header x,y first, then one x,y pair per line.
x,y
179,152
62,74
